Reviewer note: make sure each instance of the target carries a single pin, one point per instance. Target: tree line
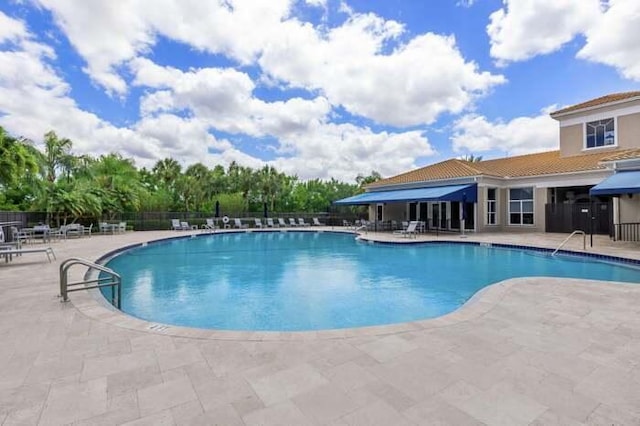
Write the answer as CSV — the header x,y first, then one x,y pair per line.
x,y
69,187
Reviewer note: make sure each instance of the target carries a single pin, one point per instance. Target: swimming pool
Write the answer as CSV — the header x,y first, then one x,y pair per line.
x,y
294,281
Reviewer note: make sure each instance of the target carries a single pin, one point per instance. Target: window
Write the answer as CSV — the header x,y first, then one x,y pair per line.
x,y
491,206
521,206
601,133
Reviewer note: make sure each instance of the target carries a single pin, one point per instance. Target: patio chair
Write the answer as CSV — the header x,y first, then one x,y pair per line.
x,y
258,222
186,227
292,222
316,222
59,233
18,236
103,227
175,225
301,222
346,223
87,230
270,223
281,222
410,231
74,230
237,223
122,227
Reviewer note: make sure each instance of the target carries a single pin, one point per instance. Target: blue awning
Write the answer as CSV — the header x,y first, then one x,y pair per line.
x,y
466,193
618,184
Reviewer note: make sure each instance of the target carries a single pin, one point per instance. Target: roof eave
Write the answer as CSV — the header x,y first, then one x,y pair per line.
x,y
559,114
403,185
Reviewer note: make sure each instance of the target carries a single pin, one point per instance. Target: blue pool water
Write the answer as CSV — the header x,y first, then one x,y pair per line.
x,y
311,281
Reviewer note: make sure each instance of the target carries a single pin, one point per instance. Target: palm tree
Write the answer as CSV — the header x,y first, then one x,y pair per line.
x,y
167,171
471,158
57,155
17,159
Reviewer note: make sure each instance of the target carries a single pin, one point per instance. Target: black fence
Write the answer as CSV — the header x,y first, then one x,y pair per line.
x,y
596,218
153,221
627,232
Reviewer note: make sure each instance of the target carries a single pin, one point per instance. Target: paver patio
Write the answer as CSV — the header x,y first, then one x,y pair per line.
x,y
526,351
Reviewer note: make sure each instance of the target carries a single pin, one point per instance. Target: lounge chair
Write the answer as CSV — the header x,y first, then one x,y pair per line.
x,y
175,225
316,222
258,222
301,222
346,223
186,227
410,231
270,223
9,252
237,223
209,226
87,230
281,222
122,227
292,222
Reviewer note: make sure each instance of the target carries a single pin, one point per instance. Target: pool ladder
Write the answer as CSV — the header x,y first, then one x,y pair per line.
x,y
584,241
111,279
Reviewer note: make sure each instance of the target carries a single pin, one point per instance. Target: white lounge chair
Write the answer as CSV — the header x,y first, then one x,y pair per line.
x,y
209,226
9,252
175,225
270,223
122,227
281,222
316,222
292,222
301,222
410,231
186,227
87,230
258,222
237,223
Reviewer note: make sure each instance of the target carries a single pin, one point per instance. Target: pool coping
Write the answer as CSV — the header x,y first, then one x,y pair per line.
x,y
94,305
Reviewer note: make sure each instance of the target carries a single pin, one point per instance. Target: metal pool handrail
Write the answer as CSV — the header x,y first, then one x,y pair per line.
x,y
584,241
113,280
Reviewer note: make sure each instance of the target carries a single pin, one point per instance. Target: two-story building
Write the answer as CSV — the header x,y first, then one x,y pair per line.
x,y
591,183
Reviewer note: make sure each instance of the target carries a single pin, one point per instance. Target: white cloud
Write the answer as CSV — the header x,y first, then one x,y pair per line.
x,y
343,151
11,29
411,84
525,28
615,39
34,99
359,64
521,135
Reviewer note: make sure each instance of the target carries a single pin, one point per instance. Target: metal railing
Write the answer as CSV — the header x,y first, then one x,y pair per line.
x,y
627,232
111,279
584,241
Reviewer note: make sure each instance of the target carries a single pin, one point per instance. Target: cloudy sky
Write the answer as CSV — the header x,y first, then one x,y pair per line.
x,y
317,88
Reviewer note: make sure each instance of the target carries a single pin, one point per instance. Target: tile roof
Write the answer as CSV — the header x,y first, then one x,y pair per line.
x,y
449,169
615,97
628,154
539,164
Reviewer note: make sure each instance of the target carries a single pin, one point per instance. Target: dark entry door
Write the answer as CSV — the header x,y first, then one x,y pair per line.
x,y
413,211
455,215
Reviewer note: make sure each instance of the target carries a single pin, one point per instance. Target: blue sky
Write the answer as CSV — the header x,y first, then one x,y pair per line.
x,y
317,88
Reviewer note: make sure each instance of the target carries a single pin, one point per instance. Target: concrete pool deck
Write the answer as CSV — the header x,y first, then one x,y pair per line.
x,y
525,351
